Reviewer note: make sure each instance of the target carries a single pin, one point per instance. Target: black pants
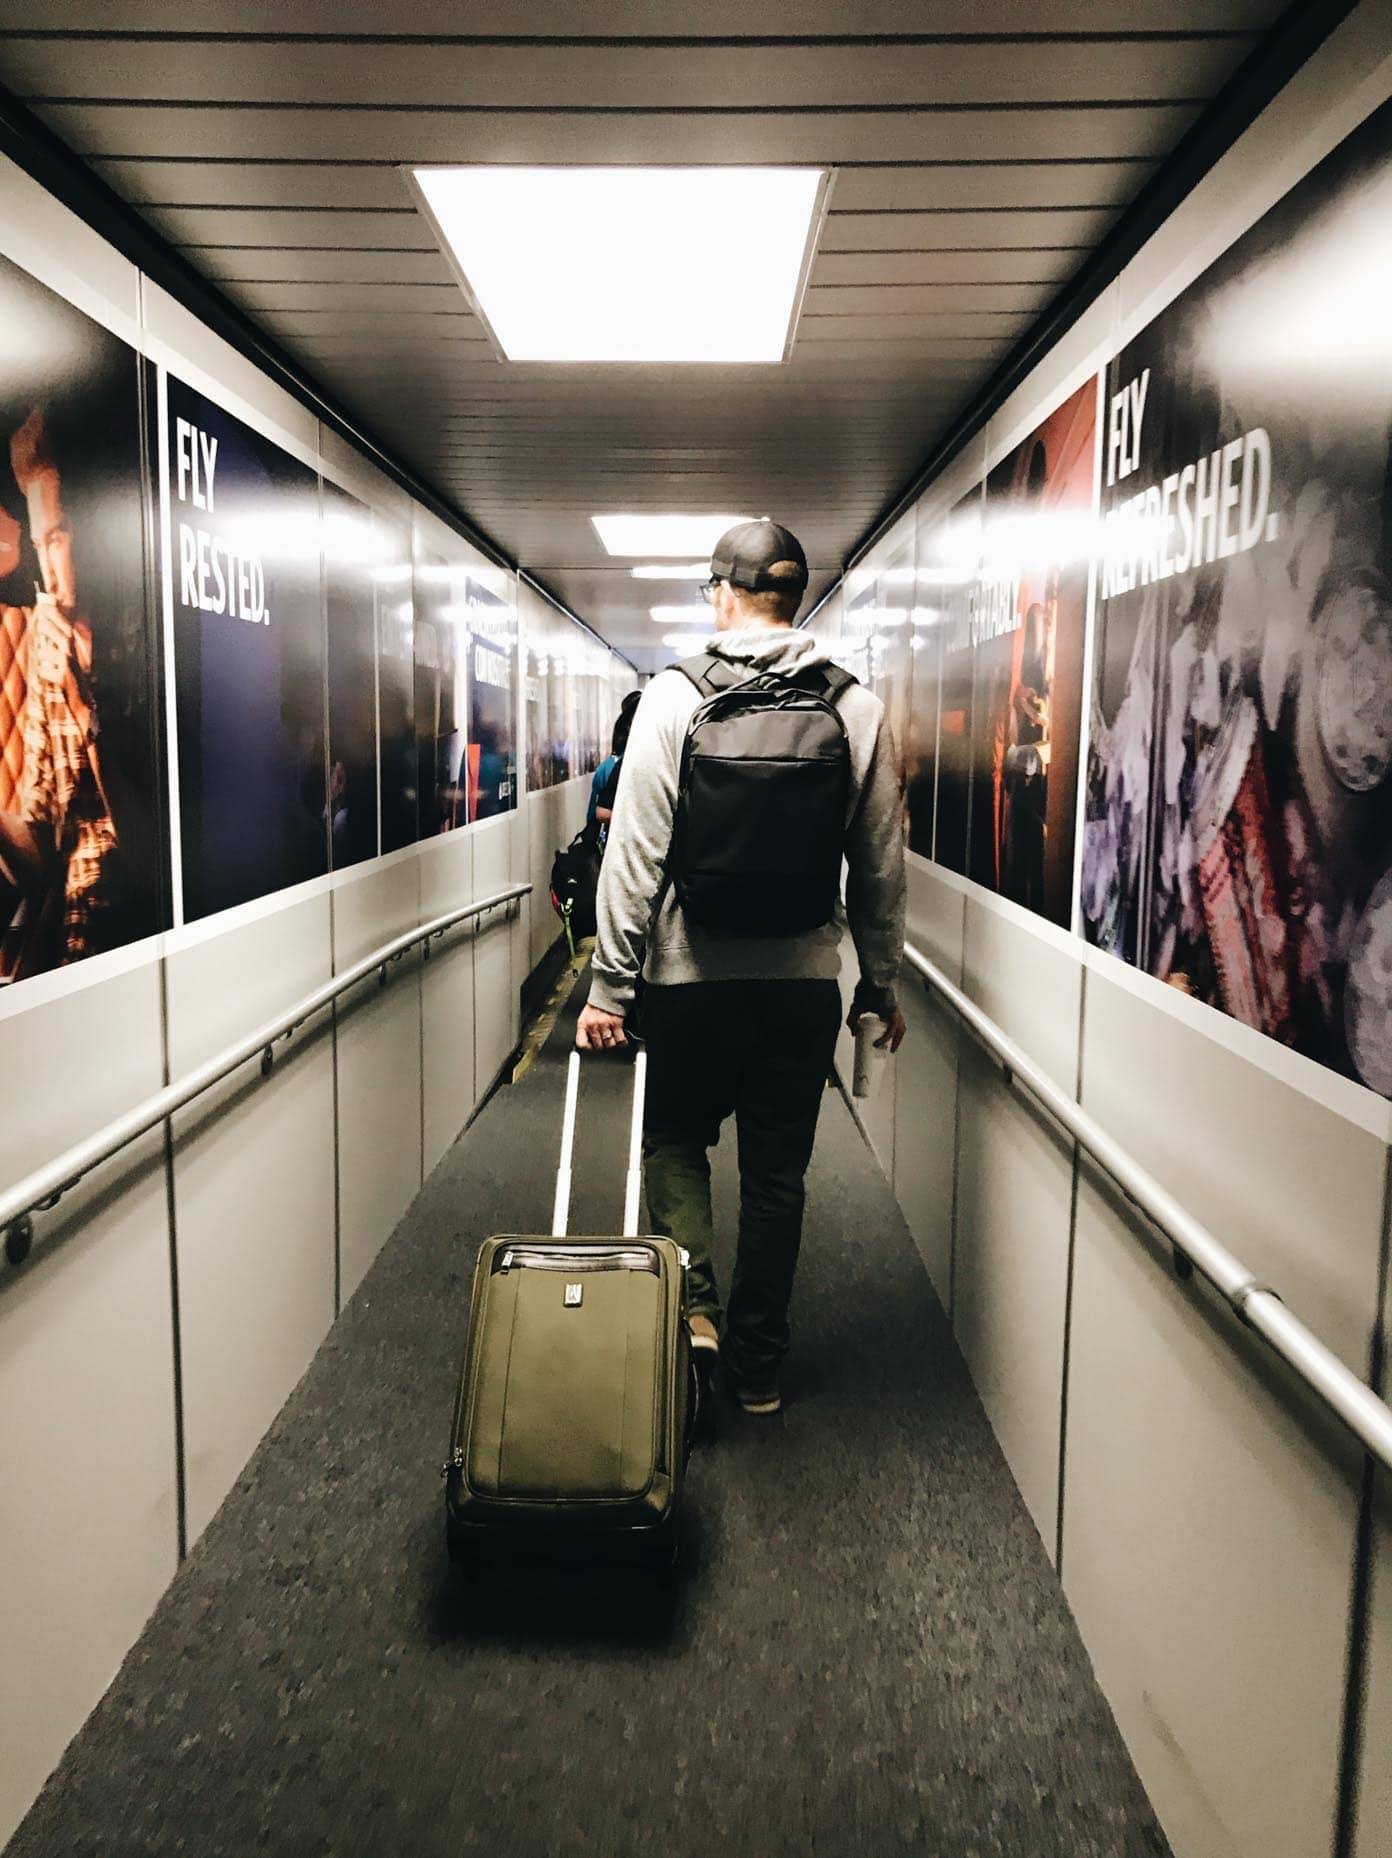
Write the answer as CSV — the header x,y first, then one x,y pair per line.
x,y
760,1051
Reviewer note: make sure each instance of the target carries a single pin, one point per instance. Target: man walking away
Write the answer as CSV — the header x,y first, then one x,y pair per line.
x,y
749,773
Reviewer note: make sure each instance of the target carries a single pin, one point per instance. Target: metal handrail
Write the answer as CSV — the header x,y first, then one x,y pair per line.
x,y
43,1188
1350,1400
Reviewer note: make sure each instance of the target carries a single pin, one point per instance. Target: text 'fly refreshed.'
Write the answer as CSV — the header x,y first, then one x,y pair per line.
x,y
1216,506
215,574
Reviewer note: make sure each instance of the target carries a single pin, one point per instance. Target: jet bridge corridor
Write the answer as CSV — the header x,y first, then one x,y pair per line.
x,y
868,1650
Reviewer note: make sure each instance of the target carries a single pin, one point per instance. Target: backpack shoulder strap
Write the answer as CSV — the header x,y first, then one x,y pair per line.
x,y
824,680
708,673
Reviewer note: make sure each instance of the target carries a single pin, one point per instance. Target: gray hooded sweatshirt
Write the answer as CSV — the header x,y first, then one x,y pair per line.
x,y
641,833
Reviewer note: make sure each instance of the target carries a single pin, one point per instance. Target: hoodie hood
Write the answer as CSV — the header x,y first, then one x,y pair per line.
x,y
775,648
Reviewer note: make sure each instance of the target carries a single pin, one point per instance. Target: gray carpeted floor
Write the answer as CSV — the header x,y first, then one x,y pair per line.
x,y
870,1654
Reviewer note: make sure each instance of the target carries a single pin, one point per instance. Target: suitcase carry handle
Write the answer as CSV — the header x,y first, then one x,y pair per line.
x,y
560,1214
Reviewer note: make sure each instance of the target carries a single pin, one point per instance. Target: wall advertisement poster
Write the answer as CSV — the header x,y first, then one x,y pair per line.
x,y
1239,801
1029,630
82,867
397,771
492,636
999,626
351,550
243,572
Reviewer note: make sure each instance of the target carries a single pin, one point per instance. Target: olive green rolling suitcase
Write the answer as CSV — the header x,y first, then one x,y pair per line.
x,y
573,1415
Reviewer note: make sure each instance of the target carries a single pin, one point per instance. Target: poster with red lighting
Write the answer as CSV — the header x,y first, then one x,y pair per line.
x,y
1029,629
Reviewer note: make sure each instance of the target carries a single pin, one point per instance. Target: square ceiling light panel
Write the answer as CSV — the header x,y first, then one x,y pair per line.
x,y
673,533
630,264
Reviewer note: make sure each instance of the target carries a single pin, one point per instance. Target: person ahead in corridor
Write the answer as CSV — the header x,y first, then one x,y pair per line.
x,y
735,925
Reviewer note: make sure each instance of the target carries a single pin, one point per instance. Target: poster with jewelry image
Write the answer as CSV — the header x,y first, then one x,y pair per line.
x,y
82,864
1238,833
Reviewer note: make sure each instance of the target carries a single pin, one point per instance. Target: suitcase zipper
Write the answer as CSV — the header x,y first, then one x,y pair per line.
x,y
578,1258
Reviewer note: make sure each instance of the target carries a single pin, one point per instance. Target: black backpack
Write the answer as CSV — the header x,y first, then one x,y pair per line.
x,y
762,798
575,885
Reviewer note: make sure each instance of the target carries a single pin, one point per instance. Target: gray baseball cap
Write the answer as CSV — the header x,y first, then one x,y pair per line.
x,y
744,555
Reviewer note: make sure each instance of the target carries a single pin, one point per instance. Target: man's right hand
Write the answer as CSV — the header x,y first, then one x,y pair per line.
x,y
598,1031
895,1028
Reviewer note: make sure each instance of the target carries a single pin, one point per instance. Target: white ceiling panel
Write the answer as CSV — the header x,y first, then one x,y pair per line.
x,y
477,76
694,19
605,134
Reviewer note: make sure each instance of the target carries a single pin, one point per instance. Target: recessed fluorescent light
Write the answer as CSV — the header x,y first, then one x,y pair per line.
x,y
672,571
662,535
681,616
630,264
685,641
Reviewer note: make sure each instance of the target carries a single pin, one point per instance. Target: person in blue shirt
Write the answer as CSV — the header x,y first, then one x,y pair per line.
x,y
601,806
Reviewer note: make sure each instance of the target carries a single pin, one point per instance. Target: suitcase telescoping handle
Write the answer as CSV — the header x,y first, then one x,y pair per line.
x,y
561,1212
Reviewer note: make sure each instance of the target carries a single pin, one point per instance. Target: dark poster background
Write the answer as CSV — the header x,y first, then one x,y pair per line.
x,y
933,599
441,713
958,549
552,753
492,703
534,656
921,734
1239,811
396,681
1031,625
248,658
853,648
350,549
82,866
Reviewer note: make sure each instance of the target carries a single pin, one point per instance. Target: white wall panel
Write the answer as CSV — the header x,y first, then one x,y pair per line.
x,y
926,1077
378,1057
1201,1511
495,986
519,862
1324,101
254,1189
1014,1197
86,1379
1207,1555
540,809
64,252
447,995
1295,1190
347,466
176,337
1374,1835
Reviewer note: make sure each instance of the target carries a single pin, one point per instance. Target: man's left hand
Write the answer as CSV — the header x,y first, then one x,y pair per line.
x,y
598,1031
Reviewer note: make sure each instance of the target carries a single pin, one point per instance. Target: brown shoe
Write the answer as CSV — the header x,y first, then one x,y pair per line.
x,y
705,1337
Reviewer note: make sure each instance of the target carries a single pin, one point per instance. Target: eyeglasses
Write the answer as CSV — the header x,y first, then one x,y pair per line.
x,y
708,589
